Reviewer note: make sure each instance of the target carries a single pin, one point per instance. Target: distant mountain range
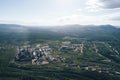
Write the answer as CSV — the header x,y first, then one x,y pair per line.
x,y
59,32
66,28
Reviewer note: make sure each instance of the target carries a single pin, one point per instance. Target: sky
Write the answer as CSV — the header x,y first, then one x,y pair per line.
x,y
60,12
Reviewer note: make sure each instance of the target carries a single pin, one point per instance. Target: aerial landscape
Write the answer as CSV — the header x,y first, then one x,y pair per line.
x,y
60,40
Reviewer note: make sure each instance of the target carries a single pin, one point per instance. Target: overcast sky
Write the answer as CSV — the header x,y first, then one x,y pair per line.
x,y
60,12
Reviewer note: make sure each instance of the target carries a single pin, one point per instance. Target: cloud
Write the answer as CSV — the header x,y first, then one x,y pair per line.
x,y
110,4
84,19
103,4
113,16
116,18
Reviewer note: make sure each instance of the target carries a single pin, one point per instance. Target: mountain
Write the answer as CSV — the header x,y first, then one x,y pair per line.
x,y
12,28
66,28
94,32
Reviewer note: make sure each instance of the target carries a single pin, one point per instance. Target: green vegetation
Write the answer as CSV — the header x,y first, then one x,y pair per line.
x,y
87,54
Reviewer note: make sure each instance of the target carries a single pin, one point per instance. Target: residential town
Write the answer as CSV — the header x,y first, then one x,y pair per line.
x,y
44,54
37,55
